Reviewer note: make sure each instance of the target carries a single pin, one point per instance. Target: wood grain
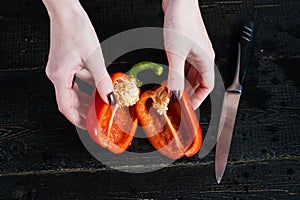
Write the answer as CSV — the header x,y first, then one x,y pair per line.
x,y
184,182
24,30
42,157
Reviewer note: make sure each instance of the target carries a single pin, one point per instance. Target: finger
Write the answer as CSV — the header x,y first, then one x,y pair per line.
x,y
81,105
193,77
68,102
190,90
82,110
203,62
62,77
86,76
187,67
206,85
202,59
83,97
95,64
176,73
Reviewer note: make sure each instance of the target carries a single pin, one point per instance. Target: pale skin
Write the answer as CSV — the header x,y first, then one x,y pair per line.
x,y
75,51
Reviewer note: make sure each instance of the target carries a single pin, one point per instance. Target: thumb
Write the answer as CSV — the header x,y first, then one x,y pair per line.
x,y
95,64
176,75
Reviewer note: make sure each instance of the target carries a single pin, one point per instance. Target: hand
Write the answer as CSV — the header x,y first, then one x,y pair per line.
x,y
186,39
74,51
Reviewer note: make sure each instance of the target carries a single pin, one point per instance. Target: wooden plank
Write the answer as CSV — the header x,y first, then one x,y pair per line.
x,y
24,30
271,179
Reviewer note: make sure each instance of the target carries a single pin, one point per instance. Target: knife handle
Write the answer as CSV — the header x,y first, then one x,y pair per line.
x,y
246,41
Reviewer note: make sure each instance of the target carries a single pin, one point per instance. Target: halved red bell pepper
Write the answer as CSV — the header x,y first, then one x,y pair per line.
x,y
174,133
112,127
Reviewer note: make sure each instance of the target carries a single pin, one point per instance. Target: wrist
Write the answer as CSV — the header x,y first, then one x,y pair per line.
x,y
62,8
166,4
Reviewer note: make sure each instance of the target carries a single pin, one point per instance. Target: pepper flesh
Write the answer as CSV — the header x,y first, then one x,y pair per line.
x,y
172,128
112,127
175,133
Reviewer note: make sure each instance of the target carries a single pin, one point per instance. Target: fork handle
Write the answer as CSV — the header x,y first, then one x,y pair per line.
x,y
246,41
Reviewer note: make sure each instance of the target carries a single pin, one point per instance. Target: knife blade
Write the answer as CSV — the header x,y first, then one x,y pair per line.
x,y
231,101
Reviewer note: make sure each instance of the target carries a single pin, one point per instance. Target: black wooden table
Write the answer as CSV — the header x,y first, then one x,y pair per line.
x,y
42,157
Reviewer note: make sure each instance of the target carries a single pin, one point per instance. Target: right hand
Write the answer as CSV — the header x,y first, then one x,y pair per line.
x,y
74,51
189,50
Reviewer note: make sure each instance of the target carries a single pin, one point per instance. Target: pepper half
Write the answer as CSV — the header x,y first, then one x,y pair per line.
x,y
113,127
171,127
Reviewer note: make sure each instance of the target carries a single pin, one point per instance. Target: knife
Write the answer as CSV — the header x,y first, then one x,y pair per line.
x,y
231,100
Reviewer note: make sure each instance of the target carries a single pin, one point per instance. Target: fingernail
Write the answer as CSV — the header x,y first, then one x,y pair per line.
x,y
174,95
112,99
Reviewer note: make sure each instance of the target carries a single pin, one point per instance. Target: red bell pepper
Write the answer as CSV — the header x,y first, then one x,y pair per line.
x,y
113,127
172,128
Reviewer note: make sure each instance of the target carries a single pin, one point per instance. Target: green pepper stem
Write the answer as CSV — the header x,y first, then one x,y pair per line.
x,y
142,66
